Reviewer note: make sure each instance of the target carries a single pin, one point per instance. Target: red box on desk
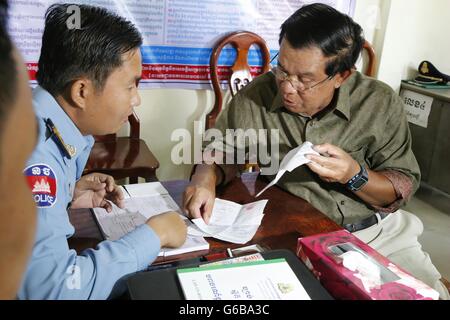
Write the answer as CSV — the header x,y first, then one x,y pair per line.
x,y
323,255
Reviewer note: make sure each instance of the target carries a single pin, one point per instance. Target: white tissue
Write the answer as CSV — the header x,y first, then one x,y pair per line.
x,y
367,271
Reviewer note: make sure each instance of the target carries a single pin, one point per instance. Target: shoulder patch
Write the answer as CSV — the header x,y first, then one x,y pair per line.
x,y
41,179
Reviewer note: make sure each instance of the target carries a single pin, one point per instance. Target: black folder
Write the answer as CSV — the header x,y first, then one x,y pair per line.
x,y
164,285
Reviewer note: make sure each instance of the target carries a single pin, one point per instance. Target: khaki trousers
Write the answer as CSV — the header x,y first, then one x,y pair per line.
x,y
395,237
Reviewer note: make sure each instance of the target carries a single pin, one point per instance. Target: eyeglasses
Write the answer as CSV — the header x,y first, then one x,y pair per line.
x,y
295,82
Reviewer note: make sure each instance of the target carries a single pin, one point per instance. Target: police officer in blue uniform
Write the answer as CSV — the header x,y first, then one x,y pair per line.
x,y
88,81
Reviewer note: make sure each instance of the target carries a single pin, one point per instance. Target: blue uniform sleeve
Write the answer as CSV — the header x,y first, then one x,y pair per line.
x,y
57,272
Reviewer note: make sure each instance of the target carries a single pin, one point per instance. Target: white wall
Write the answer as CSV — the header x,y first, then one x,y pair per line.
x,y
164,110
372,16
403,32
416,30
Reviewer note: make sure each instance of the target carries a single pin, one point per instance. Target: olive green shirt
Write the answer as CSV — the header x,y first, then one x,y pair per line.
x,y
367,120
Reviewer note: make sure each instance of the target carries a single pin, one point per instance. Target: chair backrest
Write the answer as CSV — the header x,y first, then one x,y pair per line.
x,y
370,69
240,71
134,130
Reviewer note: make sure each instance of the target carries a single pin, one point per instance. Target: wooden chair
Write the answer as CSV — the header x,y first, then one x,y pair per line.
x,y
123,157
240,74
371,62
240,71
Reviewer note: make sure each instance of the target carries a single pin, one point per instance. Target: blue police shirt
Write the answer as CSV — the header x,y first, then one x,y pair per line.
x,y
55,271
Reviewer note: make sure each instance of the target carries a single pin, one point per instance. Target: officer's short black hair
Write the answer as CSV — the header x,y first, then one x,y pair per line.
x,y
336,34
8,68
93,50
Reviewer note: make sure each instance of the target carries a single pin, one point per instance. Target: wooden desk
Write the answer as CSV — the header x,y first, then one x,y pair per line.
x,y
287,217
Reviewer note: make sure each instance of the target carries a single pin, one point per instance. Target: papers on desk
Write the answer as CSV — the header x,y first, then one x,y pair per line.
x,y
231,221
260,280
295,158
143,201
145,189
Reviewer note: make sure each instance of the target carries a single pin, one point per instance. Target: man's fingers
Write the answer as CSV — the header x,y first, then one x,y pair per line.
x,y
327,149
94,185
116,200
106,205
208,210
102,178
120,204
322,161
110,184
186,202
194,209
116,194
319,170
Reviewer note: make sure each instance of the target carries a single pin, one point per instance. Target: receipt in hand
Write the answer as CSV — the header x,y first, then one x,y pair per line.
x,y
295,158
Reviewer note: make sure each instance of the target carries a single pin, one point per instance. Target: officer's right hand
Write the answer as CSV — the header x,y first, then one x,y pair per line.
x,y
170,229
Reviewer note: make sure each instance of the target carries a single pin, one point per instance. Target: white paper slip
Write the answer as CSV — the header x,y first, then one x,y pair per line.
x,y
191,244
238,234
145,189
295,158
115,225
119,222
138,209
231,221
259,280
150,206
146,206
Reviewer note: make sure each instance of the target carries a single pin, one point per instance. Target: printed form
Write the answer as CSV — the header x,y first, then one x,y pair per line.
x,y
231,221
143,201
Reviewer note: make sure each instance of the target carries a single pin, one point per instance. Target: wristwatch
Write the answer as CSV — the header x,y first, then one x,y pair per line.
x,y
359,180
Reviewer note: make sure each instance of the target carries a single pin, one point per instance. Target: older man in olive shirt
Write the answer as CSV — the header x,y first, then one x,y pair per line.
x,y
366,169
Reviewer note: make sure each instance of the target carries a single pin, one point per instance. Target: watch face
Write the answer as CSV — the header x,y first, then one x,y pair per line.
x,y
359,183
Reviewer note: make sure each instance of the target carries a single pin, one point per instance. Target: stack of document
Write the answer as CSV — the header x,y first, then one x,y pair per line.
x,y
143,201
230,221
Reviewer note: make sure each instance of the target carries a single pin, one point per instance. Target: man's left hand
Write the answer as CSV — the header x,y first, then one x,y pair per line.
x,y
94,190
336,166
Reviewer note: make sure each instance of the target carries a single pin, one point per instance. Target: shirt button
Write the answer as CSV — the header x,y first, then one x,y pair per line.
x,y
311,123
342,202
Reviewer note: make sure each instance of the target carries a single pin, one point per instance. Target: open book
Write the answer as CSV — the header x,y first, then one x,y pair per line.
x,y
143,201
